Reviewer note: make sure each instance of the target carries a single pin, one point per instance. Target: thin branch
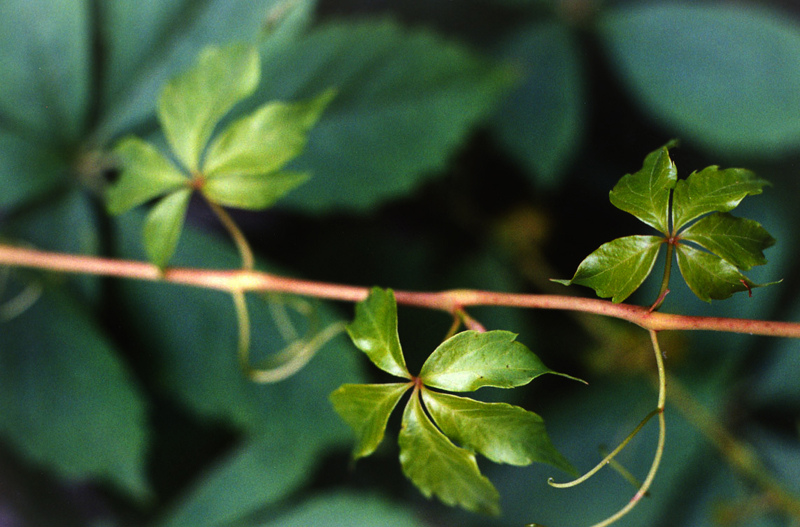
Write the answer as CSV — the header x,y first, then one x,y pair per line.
x,y
447,301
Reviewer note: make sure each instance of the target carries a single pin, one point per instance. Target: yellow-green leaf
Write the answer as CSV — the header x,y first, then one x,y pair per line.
x,y
163,226
374,331
739,241
252,191
366,408
438,467
502,432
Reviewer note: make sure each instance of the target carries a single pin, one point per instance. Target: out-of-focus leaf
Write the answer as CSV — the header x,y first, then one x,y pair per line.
x,y
617,268
148,42
710,277
146,174
374,331
250,477
541,121
192,103
737,240
366,408
27,169
712,190
44,57
470,360
265,140
438,467
645,193
190,338
723,75
65,398
405,100
499,431
347,510
253,192
164,225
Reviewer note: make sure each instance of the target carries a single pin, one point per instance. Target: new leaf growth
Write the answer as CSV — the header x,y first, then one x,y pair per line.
x,y
441,433
723,244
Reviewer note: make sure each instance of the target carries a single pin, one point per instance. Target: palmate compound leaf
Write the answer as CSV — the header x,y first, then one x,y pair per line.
x,y
470,360
738,241
712,190
438,467
711,277
645,193
499,431
374,331
192,103
366,408
617,268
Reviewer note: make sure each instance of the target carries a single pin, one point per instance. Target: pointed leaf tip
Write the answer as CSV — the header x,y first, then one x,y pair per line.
x,y
374,331
438,467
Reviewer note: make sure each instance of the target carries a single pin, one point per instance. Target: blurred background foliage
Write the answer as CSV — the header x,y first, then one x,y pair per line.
x,y
471,144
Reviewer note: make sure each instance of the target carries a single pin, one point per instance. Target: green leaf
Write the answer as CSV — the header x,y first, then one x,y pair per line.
x,y
345,509
438,467
366,408
499,431
252,192
192,104
28,169
66,398
723,75
470,360
146,174
374,331
146,44
712,190
45,52
542,120
405,100
739,241
617,268
710,277
251,476
645,194
163,227
265,140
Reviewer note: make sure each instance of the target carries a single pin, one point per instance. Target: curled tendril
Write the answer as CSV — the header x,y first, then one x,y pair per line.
x,y
299,350
20,303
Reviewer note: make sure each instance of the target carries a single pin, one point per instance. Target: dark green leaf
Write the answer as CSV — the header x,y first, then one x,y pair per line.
x,y
542,120
163,227
645,194
438,467
45,50
190,338
739,241
405,100
374,331
146,43
366,408
710,277
252,476
349,510
146,174
470,360
253,192
712,190
499,431
28,169
192,104
264,141
724,75
66,400
617,268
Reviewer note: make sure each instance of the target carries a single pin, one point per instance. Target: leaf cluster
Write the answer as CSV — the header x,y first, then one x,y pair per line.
x,y
434,423
241,167
658,198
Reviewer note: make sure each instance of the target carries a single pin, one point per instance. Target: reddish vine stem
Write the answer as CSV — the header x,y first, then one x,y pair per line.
x,y
449,301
